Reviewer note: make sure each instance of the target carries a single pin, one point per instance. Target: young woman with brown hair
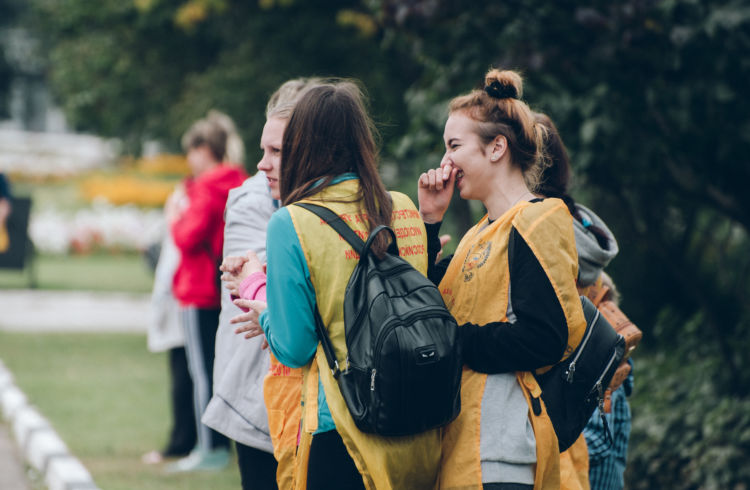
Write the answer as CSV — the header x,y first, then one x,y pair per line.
x,y
511,285
329,157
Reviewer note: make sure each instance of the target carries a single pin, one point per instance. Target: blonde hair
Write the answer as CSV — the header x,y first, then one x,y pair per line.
x,y
282,101
499,110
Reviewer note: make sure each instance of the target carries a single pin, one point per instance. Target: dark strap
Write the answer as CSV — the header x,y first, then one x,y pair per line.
x,y
325,342
335,222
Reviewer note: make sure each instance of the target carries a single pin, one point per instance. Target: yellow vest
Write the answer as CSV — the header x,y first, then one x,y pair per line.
x,y
384,462
281,392
4,239
574,466
476,289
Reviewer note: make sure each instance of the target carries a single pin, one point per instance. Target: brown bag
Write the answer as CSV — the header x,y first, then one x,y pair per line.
x,y
623,370
601,296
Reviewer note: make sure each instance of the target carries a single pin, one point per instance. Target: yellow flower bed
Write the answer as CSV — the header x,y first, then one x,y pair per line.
x,y
123,189
143,182
163,165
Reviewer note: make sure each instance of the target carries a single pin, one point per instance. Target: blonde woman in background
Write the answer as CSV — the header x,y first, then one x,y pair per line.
x,y
242,370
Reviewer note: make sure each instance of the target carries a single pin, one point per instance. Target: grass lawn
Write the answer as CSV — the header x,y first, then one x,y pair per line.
x,y
107,397
95,272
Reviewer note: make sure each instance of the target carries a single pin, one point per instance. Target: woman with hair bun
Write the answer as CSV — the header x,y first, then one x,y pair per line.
x,y
511,285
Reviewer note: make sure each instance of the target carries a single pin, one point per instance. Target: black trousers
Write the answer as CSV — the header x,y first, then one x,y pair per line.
x,y
330,466
200,342
257,468
182,437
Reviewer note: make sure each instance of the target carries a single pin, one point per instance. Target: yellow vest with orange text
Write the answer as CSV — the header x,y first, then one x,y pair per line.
x,y
384,462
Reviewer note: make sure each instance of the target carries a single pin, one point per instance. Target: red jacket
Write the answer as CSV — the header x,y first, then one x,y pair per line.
x,y
199,235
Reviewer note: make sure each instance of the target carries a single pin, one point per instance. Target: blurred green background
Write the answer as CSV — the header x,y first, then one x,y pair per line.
x,y
651,98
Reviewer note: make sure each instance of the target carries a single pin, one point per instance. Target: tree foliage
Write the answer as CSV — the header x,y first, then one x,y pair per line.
x,y
8,12
140,69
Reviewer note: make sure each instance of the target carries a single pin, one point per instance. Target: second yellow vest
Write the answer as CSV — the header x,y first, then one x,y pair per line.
x,y
476,289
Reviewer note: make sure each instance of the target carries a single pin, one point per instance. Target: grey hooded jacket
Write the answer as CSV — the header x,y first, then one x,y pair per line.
x,y
592,258
237,409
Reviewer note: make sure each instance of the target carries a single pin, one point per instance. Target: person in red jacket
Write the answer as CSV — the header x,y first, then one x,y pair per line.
x,y
197,227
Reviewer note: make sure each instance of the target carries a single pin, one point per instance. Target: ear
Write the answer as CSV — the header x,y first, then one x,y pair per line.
x,y
498,147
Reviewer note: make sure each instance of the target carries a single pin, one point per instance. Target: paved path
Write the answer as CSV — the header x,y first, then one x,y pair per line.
x,y
25,310
12,470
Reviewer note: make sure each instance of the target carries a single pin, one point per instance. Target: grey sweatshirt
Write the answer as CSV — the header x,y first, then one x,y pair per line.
x,y
237,409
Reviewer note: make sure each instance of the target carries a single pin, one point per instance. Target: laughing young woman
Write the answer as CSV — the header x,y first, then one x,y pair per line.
x,y
511,285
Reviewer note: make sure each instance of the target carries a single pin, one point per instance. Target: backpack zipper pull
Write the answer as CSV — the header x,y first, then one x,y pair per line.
x,y
599,396
372,380
570,372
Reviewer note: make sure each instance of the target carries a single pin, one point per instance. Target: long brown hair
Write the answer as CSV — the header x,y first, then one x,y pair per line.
x,y
328,134
554,181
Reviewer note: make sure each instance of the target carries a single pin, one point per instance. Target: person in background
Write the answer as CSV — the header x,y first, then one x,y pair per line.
x,y
237,408
5,209
198,232
165,333
235,148
329,157
510,285
596,246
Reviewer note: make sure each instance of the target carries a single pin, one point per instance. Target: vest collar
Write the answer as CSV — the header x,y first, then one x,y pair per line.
x,y
338,179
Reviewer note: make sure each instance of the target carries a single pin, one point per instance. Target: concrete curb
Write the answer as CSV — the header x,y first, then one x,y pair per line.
x,y
40,445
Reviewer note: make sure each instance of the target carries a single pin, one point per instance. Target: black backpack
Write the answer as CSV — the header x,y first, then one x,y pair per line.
x,y
573,388
402,375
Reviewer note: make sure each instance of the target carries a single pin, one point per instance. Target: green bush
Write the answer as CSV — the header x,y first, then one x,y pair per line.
x,y
686,435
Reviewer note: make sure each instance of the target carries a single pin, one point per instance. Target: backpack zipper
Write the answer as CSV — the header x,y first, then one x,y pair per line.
x,y
570,372
428,311
598,384
396,269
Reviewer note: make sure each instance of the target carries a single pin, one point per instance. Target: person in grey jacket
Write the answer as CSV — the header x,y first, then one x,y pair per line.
x,y
237,408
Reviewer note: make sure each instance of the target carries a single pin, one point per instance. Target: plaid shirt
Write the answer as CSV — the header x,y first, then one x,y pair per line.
x,y
607,461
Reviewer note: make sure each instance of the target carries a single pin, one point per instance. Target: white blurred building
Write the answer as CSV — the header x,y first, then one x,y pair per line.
x,y
35,140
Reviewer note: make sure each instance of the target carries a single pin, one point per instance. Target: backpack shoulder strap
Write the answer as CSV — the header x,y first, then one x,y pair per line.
x,y
325,342
335,222
343,229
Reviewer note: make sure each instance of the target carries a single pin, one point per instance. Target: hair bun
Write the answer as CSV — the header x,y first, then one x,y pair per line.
x,y
503,84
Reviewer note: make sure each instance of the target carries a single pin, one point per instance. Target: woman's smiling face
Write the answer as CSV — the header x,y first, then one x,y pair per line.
x,y
465,151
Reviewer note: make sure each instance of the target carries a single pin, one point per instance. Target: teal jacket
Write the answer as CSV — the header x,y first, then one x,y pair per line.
x,y
289,320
